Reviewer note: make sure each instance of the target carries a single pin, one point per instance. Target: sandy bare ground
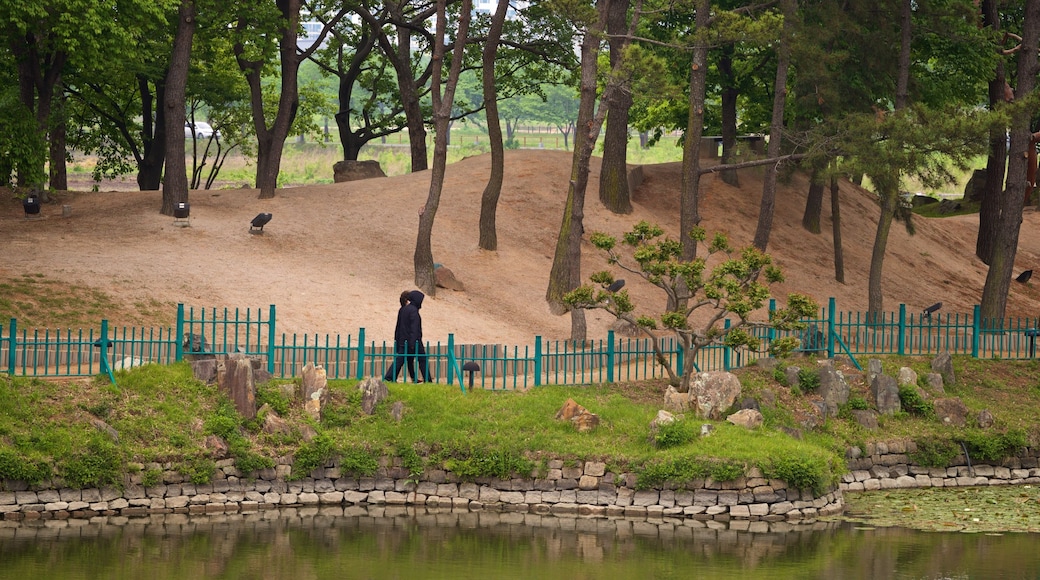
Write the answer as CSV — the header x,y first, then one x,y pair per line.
x,y
335,257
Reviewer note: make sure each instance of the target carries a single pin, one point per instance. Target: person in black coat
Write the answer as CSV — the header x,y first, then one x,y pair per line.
x,y
400,346
413,334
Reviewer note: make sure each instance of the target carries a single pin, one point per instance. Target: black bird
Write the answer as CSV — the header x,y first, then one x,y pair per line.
x,y
928,311
258,223
1024,276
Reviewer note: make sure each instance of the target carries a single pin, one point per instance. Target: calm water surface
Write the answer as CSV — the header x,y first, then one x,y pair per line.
x,y
431,543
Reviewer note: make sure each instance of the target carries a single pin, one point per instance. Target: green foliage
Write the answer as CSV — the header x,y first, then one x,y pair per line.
x,y
151,477
933,451
988,446
487,463
17,466
808,379
674,434
199,470
912,402
274,397
313,455
358,462
858,403
685,470
731,286
225,421
780,376
101,463
803,471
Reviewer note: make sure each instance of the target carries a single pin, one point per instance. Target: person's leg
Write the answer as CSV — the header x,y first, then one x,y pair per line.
x,y
424,366
410,352
395,368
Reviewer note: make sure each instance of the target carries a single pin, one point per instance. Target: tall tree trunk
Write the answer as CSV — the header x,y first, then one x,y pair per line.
x,y
776,128
888,192
58,174
839,258
410,100
271,140
887,184
488,236
813,202
690,216
442,105
997,160
613,174
565,274
175,185
149,172
1009,224
729,114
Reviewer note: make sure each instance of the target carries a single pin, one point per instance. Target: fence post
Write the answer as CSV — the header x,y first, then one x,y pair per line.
x,y
831,307
901,340
11,358
975,328
105,367
610,356
270,342
179,339
680,358
771,333
537,361
451,361
361,353
725,349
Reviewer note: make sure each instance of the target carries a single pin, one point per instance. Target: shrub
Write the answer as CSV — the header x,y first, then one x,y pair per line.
x,y
934,452
912,402
780,376
802,472
313,455
485,463
984,446
16,466
200,470
674,434
358,462
808,379
275,398
101,463
686,469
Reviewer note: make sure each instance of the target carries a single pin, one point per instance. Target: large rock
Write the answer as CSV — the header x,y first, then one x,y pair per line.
x,y
866,418
273,424
663,418
315,390
985,419
579,416
833,388
935,383
205,370
712,393
975,189
873,369
373,391
747,418
886,394
237,382
951,411
348,170
943,364
675,401
445,278
907,376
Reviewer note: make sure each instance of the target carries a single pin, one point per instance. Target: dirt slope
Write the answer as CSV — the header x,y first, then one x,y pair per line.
x,y
335,257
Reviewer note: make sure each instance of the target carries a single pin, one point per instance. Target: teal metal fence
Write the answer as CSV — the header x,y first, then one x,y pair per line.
x,y
252,332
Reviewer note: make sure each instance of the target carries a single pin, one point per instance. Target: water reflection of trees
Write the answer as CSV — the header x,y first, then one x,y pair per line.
x,y
319,542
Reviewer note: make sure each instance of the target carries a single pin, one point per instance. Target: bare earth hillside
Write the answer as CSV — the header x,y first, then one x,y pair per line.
x,y
335,257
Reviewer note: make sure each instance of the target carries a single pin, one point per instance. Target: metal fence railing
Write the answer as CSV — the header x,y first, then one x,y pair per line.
x,y
207,332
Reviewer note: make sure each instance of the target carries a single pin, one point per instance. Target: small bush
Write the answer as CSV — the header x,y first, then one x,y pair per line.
x,y
100,464
912,402
802,472
674,434
808,379
934,452
486,463
986,446
200,470
685,470
313,455
780,376
15,466
151,477
275,398
858,403
358,462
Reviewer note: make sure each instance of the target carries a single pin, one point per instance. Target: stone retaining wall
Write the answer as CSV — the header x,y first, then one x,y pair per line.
x,y
887,465
586,489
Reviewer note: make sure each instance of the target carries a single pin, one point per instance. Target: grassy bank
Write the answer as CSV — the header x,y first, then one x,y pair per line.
x,y
90,433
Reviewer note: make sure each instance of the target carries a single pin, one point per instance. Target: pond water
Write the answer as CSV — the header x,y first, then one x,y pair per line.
x,y
434,543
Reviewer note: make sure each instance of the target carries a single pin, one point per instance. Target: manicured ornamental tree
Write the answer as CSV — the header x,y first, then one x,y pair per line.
x,y
709,289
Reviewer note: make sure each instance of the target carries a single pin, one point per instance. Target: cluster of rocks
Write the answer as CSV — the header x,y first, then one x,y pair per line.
x,y
887,465
586,489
